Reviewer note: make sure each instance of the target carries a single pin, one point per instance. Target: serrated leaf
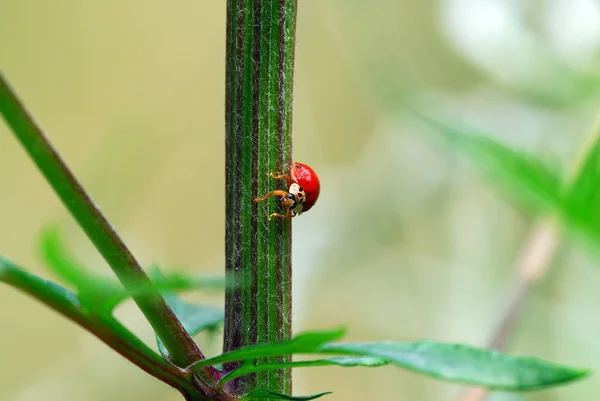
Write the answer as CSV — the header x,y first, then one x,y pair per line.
x,y
304,343
464,364
346,361
522,175
264,393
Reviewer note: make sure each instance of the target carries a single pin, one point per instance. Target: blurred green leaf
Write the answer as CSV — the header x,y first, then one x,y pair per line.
x,y
264,393
575,202
347,361
464,364
583,197
527,179
195,318
303,343
522,175
98,292
104,294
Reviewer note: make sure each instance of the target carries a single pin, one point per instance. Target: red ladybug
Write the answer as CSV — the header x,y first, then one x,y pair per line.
x,y
303,192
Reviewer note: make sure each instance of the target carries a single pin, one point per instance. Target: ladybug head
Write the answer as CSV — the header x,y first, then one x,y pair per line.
x,y
295,199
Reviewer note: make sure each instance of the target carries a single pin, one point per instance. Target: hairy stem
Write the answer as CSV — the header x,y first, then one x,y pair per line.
x,y
98,229
259,73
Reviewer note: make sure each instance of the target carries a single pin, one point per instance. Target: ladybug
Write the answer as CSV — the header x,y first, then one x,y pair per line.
x,y
303,192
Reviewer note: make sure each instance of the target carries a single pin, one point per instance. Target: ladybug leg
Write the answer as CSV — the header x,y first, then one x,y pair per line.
x,y
271,217
279,176
289,214
276,193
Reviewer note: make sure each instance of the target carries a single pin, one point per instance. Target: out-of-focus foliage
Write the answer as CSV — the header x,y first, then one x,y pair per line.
x,y
195,318
574,200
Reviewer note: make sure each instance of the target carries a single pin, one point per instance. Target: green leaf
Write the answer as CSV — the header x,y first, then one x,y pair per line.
x,y
304,343
264,393
465,364
528,179
583,197
522,175
347,361
453,362
97,291
103,294
195,318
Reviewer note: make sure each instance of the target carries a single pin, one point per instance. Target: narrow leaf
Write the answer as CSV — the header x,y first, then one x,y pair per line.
x,y
453,362
465,364
264,393
366,361
303,343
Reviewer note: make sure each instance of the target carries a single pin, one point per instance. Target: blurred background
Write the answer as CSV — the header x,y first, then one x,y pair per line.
x,y
132,94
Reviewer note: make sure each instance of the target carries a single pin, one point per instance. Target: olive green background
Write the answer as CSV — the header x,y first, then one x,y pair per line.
x,y
406,241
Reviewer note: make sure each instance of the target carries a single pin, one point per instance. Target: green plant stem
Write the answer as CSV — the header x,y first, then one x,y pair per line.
x,y
98,229
106,328
259,74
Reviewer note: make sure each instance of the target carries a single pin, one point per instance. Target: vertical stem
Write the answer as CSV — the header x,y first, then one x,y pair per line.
x,y
259,82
